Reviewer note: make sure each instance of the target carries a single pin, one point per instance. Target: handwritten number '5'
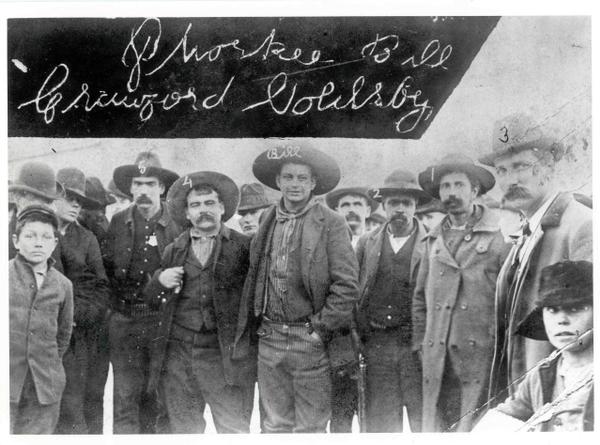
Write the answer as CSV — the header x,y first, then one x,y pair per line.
x,y
504,137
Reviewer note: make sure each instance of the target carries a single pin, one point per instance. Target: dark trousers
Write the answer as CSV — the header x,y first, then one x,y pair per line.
x,y
393,381
449,401
28,416
293,379
135,410
344,401
193,377
86,369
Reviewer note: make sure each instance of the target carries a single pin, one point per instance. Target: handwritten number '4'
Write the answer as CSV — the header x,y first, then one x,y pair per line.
x,y
187,181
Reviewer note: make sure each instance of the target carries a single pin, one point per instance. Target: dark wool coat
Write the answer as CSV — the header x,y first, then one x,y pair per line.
x,y
229,267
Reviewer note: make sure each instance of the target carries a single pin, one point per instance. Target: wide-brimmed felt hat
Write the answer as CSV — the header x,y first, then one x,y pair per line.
x,y
73,181
333,198
95,190
565,284
268,165
146,164
224,185
38,179
113,190
252,197
517,132
432,206
430,178
39,209
400,181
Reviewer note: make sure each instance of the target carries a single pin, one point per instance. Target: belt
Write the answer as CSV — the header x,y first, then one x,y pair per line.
x,y
133,309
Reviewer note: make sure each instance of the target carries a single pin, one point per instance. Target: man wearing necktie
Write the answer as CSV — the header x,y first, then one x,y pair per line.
x,y
389,260
556,227
301,287
198,289
453,307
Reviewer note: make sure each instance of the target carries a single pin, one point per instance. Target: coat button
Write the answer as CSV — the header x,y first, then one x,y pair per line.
x,y
160,323
468,237
389,306
164,300
454,347
463,307
472,342
129,249
442,272
442,342
123,270
448,306
430,343
389,317
31,286
438,307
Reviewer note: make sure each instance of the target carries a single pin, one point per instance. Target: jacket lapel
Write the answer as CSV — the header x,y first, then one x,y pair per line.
x,y
418,250
311,234
371,258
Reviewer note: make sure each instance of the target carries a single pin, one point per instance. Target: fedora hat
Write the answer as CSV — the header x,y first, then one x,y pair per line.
x,y
38,179
567,283
113,190
268,165
432,206
95,190
146,164
252,197
376,217
224,185
73,181
400,181
517,132
430,178
333,198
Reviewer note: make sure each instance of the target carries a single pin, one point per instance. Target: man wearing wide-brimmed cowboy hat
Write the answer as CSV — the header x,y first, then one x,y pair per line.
x,y
453,305
198,289
556,227
36,184
302,285
557,394
253,202
81,405
354,204
389,260
136,240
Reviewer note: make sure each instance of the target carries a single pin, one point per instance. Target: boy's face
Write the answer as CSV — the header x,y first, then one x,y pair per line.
x,y
36,242
565,324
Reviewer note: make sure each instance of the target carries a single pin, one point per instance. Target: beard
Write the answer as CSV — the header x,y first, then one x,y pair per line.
x,y
399,220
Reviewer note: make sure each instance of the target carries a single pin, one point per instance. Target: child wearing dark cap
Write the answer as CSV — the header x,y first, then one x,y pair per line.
x,y
557,395
41,318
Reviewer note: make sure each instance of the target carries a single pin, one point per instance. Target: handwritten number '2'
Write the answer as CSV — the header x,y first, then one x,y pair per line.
x,y
504,137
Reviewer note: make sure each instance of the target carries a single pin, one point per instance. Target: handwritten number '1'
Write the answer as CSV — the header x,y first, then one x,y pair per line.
x,y
504,137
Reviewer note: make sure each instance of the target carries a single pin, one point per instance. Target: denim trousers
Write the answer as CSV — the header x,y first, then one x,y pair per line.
x,y
194,377
294,379
135,411
393,382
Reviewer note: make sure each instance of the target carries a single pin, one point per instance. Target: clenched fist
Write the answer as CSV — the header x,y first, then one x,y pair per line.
x,y
171,277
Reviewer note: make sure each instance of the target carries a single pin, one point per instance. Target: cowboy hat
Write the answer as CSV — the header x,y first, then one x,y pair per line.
x,y
333,198
268,164
568,283
400,181
73,181
38,179
518,132
252,197
430,178
146,164
224,185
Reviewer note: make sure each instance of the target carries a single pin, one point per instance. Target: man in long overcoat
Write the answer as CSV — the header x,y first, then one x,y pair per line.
x,y
453,307
556,228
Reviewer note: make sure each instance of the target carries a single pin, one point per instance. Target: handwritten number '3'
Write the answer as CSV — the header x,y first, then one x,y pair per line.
x,y
504,137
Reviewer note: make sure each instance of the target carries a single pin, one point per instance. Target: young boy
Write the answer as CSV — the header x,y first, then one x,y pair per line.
x,y
557,395
41,318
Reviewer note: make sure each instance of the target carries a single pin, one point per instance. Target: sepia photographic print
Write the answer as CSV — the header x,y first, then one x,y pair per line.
x,y
273,217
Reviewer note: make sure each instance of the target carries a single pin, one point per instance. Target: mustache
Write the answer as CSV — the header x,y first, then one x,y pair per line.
x,y
399,217
206,217
516,192
452,201
143,199
352,217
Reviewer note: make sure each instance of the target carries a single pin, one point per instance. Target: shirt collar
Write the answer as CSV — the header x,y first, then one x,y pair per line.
x,y
163,215
283,213
223,232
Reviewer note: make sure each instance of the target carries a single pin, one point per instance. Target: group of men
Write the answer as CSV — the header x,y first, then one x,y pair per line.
x,y
191,312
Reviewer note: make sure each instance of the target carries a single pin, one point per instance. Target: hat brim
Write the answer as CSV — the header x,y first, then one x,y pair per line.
x,y
177,196
124,174
545,143
324,168
533,326
253,207
429,179
333,198
86,203
60,192
420,196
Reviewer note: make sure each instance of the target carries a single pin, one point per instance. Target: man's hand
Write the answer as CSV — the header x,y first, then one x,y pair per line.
x,y
171,278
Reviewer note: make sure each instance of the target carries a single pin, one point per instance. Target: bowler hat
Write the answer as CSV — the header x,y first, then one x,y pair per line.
x,y
95,190
38,179
333,198
430,178
146,164
224,185
268,164
73,181
252,197
517,132
38,209
567,283
400,181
